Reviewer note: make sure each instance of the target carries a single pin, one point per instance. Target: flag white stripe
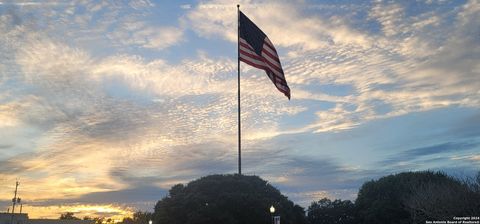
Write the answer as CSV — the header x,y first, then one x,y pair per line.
x,y
263,64
266,47
245,42
270,50
274,62
269,42
252,60
265,56
280,75
247,50
280,86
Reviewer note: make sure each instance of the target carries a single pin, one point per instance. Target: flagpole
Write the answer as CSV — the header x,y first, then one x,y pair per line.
x,y
238,71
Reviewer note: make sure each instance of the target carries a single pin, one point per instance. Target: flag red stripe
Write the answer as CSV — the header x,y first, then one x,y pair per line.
x,y
253,64
254,59
261,65
273,67
274,57
249,54
265,61
247,46
269,43
272,60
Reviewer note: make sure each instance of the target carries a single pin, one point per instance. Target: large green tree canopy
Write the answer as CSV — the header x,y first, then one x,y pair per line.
x,y
226,199
414,197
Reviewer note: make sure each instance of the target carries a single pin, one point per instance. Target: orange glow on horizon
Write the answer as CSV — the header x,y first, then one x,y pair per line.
x,y
114,212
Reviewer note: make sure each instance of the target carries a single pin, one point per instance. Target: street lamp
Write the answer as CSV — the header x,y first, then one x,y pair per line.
x,y
272,210
150,222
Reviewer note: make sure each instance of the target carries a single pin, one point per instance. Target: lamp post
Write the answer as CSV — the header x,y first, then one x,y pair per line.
x,y
272,211
150,221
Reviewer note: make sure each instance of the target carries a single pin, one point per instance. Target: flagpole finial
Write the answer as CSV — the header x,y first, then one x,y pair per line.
x,y
238,5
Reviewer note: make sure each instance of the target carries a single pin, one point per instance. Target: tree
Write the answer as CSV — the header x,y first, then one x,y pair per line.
x,y
444,200
473,183
138,218
326,211
227,199
99,220
109,221
399,198
69,216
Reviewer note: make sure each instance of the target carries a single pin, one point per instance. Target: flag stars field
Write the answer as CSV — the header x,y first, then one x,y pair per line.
x,y
106,105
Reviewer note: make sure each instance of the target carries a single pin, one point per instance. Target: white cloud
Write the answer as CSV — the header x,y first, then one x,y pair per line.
x,y
101,24
150,37
82,123
8,117
139,4
282,22
163,37
390,17
421,69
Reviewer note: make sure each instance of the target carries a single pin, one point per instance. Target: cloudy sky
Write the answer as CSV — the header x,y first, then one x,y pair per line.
x,y
105,105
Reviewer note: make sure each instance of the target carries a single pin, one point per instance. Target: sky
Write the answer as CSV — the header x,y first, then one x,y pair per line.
x,y
104,105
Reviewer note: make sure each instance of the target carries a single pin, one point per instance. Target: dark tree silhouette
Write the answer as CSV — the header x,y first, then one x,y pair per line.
x,y
442,201
326,211
413,197
99,220
69,216
226,199
138,218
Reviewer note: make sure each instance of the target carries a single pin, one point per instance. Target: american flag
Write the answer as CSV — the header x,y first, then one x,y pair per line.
x,y
256,50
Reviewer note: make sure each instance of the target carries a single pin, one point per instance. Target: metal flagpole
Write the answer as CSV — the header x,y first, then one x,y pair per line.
x,y
239,120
